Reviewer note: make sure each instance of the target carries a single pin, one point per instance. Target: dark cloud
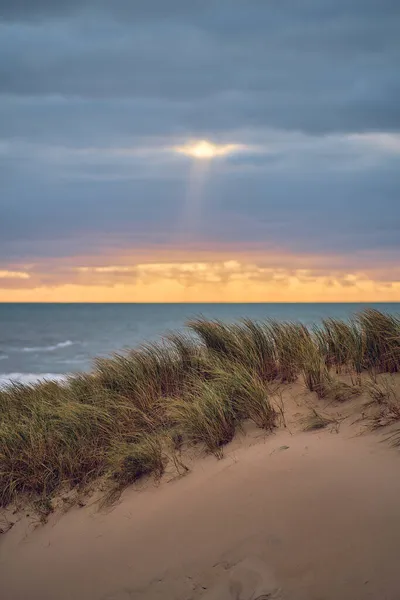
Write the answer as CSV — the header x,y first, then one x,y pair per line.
x,y
25,10
316,66
81,80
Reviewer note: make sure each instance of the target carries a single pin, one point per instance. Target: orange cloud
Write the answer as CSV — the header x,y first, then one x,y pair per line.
x,y
5,274
218,279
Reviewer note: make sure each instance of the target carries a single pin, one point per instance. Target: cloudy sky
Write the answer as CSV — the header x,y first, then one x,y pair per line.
x,y
216,150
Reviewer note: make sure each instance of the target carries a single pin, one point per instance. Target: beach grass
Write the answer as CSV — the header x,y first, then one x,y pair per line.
x,y
315,420
126,418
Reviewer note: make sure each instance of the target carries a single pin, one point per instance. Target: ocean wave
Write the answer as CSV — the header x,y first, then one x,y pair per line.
x,y
8,378
3,357
49,348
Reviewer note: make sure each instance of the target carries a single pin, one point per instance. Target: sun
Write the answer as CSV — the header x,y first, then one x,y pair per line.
x,y
205,150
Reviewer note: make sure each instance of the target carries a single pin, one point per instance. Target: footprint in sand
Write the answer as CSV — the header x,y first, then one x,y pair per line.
x,y
250,579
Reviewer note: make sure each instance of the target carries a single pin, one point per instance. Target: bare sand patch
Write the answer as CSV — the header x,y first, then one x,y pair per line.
x,y
299,516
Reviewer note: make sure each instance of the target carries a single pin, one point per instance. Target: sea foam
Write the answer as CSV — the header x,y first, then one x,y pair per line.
x,y
7,379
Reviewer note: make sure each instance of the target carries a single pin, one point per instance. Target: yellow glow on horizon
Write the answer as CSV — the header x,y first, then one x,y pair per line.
x,y
224,280
205,150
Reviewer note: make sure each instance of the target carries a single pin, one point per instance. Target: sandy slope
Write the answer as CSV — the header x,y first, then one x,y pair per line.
x,y
318,520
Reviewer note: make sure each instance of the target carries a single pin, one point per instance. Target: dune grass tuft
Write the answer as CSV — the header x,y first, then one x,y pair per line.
x,y
130,461
247,394
290,339
205,416
315,371
315,420
341,344
381,334
384,396
246,343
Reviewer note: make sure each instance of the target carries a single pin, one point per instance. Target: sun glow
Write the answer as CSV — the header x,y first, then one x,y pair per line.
x,y
205,150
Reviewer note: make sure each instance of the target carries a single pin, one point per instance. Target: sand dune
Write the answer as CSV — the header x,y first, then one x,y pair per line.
x,y
308,516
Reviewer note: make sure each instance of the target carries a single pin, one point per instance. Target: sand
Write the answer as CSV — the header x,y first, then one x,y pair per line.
x,y
294,516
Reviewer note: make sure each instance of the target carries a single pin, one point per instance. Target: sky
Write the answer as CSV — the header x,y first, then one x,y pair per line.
x,y
202,150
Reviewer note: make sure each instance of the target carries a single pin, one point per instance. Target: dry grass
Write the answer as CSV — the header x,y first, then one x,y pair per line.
x,y
381,391
315,420
194,389
340,391
384,397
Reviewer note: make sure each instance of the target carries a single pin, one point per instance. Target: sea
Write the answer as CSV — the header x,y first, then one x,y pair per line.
x,y
49,341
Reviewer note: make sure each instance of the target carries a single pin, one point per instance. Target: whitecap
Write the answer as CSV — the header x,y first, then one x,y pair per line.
x,y
26,378
48,348
3,357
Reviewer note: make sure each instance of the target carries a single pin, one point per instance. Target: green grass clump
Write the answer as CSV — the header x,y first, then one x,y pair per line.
x,y
47,438
247,394
205,416
130,461
259,350
143,375
381,334
290,340
340,344
315,371
246,343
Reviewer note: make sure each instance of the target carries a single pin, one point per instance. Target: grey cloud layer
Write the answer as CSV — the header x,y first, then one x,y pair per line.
x,y
325,66
92,75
